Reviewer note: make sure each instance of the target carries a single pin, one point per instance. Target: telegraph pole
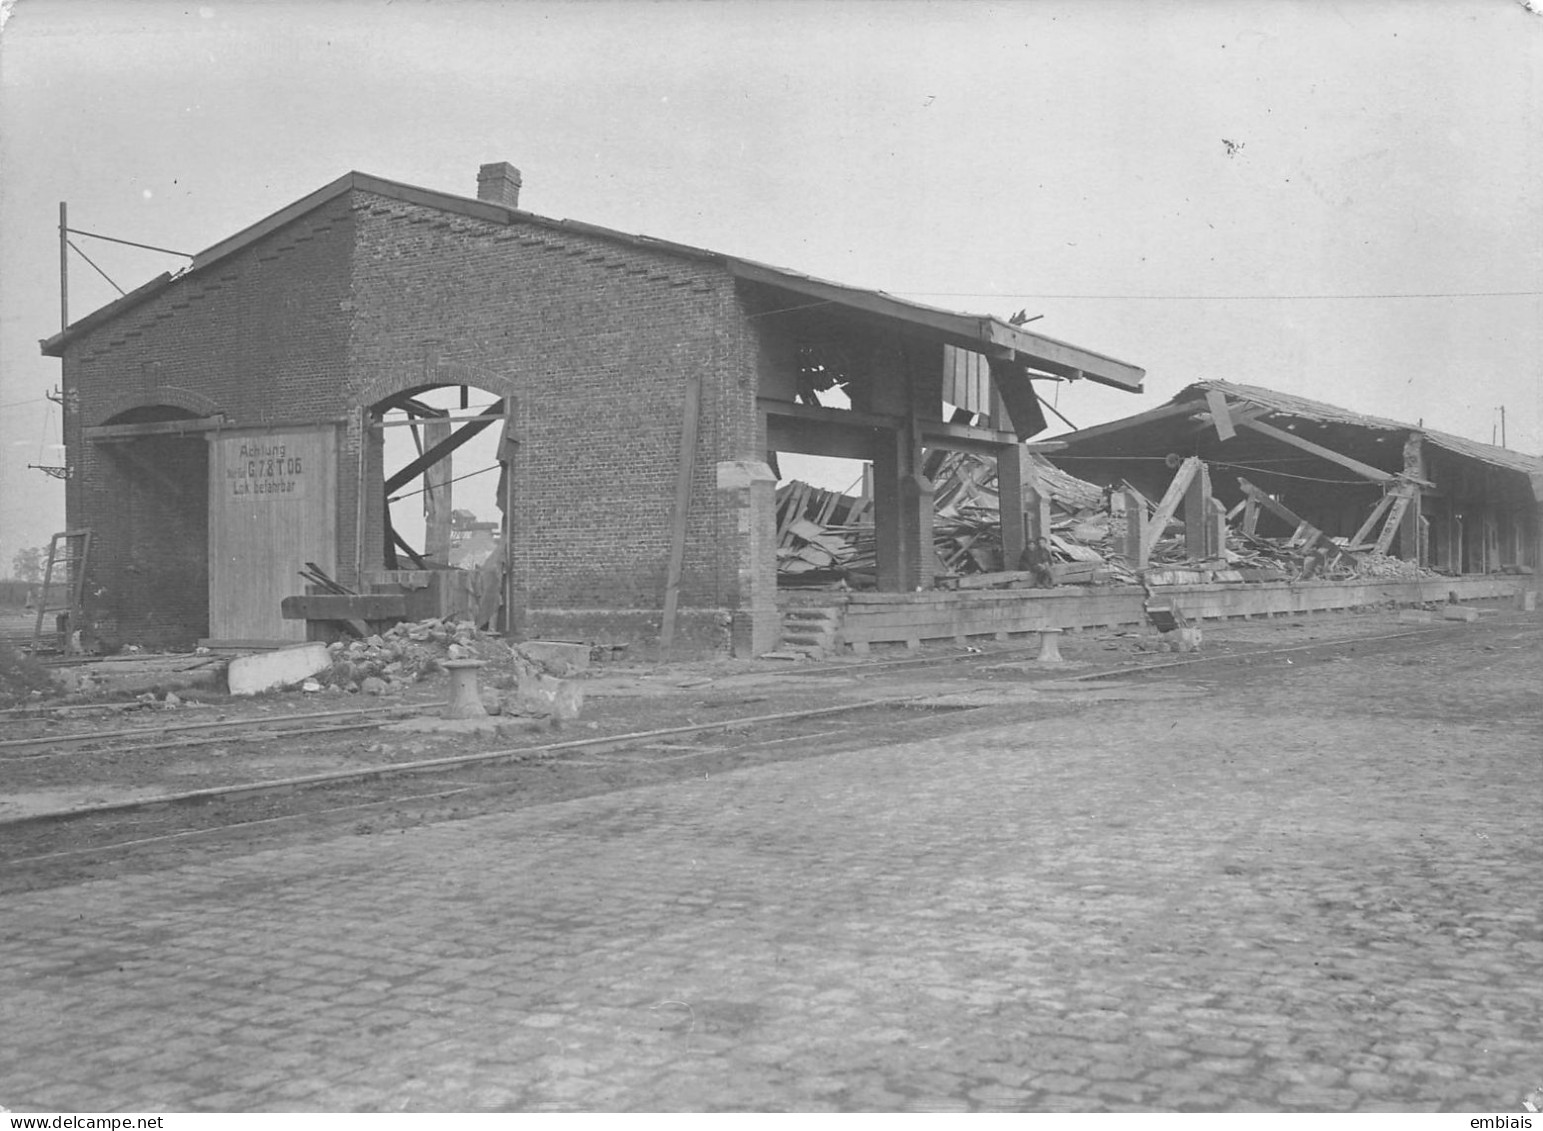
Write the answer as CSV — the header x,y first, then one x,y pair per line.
x,y
64,266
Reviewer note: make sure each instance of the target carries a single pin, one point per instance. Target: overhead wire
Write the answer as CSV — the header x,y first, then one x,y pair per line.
x,y
1225,298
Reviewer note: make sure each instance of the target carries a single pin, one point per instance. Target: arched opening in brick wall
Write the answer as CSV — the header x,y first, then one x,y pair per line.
x,y
148,578
438,497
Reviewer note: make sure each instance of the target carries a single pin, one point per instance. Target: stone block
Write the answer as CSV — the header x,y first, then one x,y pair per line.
x,y
545,696
265,671
1457,612
556,653
1415,616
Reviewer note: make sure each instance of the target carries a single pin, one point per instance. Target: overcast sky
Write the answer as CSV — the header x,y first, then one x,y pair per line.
x,y
1335,199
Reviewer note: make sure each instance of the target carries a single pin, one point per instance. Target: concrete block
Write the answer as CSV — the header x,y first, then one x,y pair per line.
x,y
1527,600
1415,616
556,652
265,671
1457,612
543,696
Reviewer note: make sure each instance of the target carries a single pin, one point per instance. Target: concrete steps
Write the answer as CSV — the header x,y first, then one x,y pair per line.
x,y
814,630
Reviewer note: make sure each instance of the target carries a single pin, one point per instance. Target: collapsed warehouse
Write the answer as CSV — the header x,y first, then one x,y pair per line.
x,y
1230,500
229,485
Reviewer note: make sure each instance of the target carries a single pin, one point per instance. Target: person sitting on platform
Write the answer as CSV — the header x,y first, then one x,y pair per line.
x,y
1036,560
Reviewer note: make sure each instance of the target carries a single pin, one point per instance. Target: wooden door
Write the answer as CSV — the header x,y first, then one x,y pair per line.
x,y
272,508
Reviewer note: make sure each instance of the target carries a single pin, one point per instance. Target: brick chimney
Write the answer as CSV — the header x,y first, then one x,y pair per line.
x,y
499,183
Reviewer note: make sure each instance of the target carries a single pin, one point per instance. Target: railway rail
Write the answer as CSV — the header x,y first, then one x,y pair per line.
x,y
504,776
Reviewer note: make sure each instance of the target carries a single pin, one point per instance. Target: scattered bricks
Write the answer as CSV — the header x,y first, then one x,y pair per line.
x,y
1415,616
1457,612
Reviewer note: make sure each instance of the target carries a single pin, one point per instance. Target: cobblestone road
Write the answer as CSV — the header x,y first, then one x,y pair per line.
x,y
1246,902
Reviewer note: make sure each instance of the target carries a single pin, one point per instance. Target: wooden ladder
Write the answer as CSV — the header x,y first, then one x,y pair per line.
x,y
68,551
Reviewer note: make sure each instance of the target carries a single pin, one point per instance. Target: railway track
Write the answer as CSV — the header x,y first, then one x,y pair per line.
x,y
408,792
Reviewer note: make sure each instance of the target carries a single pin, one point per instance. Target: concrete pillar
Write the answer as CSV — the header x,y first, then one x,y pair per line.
x,y
1197,514
747,491
1025,505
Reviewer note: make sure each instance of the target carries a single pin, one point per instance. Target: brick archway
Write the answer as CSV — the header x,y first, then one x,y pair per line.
x,y
160,396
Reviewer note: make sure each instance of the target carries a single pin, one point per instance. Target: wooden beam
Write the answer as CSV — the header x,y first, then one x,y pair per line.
x,y
109,433
1221,414
684,469
1286,514
1390,528
1370,524
1012,382
1115,427
964,437
439,451
819,413
344,607
1365,470
1153,529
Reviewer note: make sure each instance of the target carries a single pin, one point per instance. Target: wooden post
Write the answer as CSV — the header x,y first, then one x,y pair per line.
x,y
684,469
1409,531
1023,504
437,495
1197,512
1135,523
1216,530
1153,530
902,514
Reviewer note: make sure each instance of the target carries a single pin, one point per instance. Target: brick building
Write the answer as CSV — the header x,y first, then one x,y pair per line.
x,y
224,425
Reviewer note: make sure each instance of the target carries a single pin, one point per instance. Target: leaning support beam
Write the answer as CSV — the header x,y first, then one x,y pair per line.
x,y
1153,530
1314,536
490,415
683,472
1365,470
1365,532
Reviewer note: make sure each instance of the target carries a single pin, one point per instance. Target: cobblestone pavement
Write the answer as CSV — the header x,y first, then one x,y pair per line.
x,y
1251,901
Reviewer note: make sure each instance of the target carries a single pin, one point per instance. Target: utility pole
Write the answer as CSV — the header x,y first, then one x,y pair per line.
x,y
64,266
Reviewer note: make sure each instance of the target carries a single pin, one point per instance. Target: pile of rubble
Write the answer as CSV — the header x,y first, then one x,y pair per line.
x,y
826,538
521,679
394,660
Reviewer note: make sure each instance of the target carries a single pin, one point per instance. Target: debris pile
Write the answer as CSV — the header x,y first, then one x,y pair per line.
x,y
826,538
524,679
392,661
